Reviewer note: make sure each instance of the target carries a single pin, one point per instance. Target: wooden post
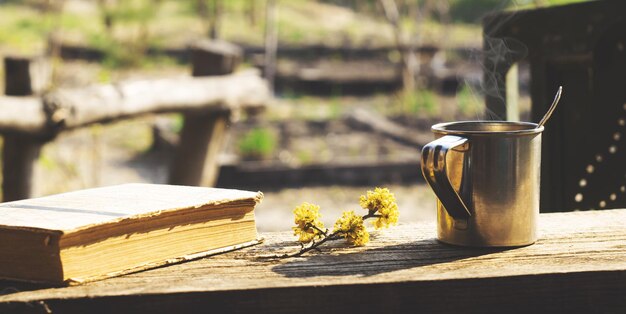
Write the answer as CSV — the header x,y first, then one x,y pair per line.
x,y
214,57
512,94
271,42
19,155
201,140
216,16
500,54
17,76
203,133
23,77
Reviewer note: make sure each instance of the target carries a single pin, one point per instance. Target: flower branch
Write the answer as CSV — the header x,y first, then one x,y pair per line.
x,y
380,204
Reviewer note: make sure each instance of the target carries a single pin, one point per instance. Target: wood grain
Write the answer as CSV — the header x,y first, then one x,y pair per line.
x,y
72,108
19,154
127,99
579,264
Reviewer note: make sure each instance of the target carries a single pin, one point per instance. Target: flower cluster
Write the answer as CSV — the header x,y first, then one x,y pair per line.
x,y
380,204
308,224
351,227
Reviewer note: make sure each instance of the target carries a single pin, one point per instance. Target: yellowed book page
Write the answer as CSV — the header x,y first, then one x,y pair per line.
x,y
83,209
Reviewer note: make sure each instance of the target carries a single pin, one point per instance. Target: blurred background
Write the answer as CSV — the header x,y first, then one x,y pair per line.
x,y
357,85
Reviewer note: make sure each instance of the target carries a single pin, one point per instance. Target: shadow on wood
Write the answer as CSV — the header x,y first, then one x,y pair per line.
x,y
377,261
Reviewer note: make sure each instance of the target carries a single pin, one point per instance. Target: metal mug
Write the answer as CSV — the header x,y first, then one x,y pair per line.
x,y
486,178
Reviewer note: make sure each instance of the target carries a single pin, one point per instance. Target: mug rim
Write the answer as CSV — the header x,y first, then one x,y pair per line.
x,y
521,128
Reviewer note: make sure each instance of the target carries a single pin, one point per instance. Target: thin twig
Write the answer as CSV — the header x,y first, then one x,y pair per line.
x,y
327,237
324,232
332,236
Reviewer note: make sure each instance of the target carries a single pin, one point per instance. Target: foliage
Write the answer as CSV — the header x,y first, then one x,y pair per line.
x,y
380,204
473,10
26,30
257,143
468,102
134,16
141,11
416,101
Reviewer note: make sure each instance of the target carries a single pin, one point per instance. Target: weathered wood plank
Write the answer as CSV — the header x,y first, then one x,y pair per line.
x,y
77,107
72,108
578,264
201,140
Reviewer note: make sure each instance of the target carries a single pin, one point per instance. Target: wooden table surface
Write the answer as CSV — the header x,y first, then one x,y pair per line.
x,y
578,264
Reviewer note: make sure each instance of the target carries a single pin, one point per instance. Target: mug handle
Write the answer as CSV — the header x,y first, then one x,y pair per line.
x,y
434,170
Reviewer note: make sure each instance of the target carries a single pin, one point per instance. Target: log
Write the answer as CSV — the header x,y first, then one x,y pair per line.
x,y
578,265
81,51
72,108
377,123
22,115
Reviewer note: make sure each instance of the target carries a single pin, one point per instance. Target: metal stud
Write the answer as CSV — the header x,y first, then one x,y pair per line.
x,y
578,198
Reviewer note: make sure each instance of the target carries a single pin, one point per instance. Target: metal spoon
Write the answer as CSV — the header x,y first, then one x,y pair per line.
x,y
545,118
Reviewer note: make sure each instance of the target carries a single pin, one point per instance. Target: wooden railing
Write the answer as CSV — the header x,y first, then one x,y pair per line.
x,y
209,100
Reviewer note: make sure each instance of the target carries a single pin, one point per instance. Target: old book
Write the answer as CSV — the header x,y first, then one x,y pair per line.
x,y
98,233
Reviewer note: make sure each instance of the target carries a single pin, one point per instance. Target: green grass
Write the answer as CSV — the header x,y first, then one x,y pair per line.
x,y
22,29
469,103
418,102
25,29
258,143
134,136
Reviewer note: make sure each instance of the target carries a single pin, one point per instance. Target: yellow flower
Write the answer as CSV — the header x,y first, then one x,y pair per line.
x,y
351,227
382,203
308,224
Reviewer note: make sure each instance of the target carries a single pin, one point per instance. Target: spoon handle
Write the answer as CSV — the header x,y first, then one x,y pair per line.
x,y
557,97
